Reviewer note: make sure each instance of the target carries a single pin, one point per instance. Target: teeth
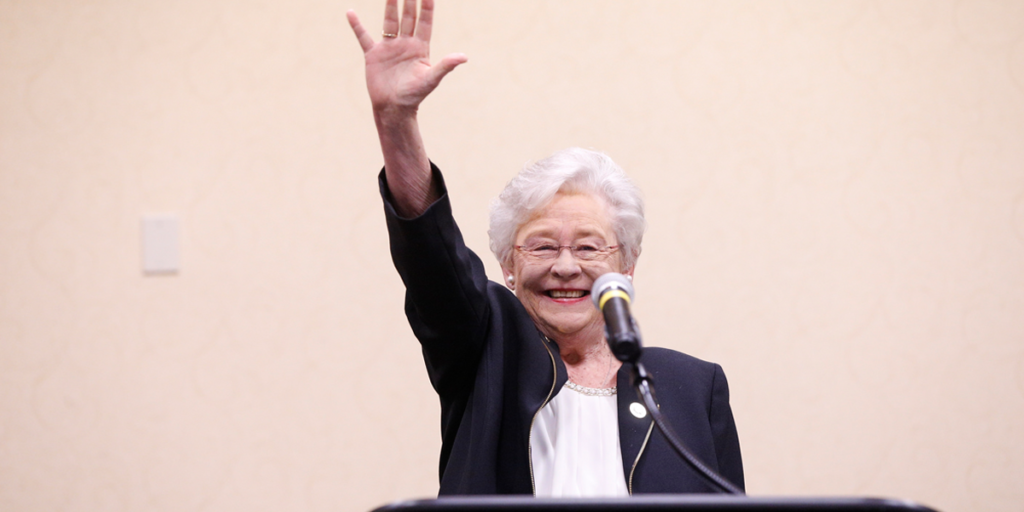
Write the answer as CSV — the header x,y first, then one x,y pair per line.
x,y
565,294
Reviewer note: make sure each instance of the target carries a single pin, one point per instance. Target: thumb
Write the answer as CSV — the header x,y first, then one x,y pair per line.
x,y
445,66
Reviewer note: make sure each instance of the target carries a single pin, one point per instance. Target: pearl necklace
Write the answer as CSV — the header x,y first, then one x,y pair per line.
x,y
591,391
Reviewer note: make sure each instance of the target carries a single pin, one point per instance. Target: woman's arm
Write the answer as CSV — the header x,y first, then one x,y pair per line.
x,y
399,77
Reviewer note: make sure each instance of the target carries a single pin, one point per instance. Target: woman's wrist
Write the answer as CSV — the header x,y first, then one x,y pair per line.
x,y
391,115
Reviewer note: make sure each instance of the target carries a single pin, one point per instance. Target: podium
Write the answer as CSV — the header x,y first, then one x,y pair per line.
x,y
659,503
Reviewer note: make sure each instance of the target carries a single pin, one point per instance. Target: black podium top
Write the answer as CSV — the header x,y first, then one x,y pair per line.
x,y
660,503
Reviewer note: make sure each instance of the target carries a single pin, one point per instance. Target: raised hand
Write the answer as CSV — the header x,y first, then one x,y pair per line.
x,y
398,70
399,76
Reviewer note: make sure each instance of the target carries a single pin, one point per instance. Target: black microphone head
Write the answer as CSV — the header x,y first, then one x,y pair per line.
x,y
610,281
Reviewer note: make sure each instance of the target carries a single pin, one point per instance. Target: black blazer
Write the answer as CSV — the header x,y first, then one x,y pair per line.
x,y
493,371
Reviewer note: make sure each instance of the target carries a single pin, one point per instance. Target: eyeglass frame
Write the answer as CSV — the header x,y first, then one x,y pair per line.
x,y
599,254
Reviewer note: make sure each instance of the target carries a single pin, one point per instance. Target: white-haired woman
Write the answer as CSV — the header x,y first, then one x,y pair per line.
x,y
530,400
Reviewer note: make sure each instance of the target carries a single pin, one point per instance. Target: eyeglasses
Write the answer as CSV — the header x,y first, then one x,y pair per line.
x,y
582,252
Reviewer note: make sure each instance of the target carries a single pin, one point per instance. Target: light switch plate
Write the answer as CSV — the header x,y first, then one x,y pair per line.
x,y
160,247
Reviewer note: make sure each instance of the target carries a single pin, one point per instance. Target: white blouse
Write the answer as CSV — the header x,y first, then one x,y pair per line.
x,y
574,445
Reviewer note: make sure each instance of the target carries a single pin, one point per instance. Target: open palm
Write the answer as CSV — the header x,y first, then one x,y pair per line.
x,y
398,70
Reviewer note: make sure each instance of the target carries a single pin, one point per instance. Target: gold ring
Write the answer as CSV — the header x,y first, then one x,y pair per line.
x,y
388,35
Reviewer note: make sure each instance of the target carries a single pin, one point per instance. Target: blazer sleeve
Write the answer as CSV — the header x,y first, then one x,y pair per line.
x,y
446,285
723,428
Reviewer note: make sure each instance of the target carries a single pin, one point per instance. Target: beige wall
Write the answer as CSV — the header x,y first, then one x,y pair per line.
x,y
836,206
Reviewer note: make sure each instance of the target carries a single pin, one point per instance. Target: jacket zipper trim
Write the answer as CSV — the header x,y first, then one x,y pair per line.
x,y
638,455
529,437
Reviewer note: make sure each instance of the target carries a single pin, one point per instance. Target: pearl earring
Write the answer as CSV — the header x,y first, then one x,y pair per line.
x,y
511,280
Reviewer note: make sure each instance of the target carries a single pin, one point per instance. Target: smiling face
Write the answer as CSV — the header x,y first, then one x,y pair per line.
x,y
556,292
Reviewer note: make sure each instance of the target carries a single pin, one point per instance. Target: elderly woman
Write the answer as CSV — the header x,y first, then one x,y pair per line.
x,y
532,399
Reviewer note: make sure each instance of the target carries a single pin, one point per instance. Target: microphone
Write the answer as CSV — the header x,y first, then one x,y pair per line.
x,y
612,294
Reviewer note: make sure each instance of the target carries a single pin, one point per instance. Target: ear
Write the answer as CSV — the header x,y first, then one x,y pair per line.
x,y
509,277
629,271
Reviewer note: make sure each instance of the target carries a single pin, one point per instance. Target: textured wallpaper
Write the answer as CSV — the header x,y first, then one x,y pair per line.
x,y
835,195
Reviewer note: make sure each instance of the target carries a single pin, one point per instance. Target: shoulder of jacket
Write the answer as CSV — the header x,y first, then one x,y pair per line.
x,y
674,368
660,356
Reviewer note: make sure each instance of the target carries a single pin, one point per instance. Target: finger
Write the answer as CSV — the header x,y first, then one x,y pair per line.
x,y
409,17
447,64
365,41
391,17
426,23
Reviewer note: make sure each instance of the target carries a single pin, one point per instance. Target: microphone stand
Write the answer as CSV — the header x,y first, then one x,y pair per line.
x,y
644,386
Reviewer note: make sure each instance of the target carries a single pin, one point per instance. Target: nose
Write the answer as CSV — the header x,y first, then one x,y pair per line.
x,y
565,265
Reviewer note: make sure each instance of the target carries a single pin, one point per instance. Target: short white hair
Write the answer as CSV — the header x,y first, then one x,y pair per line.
x,y
572,170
